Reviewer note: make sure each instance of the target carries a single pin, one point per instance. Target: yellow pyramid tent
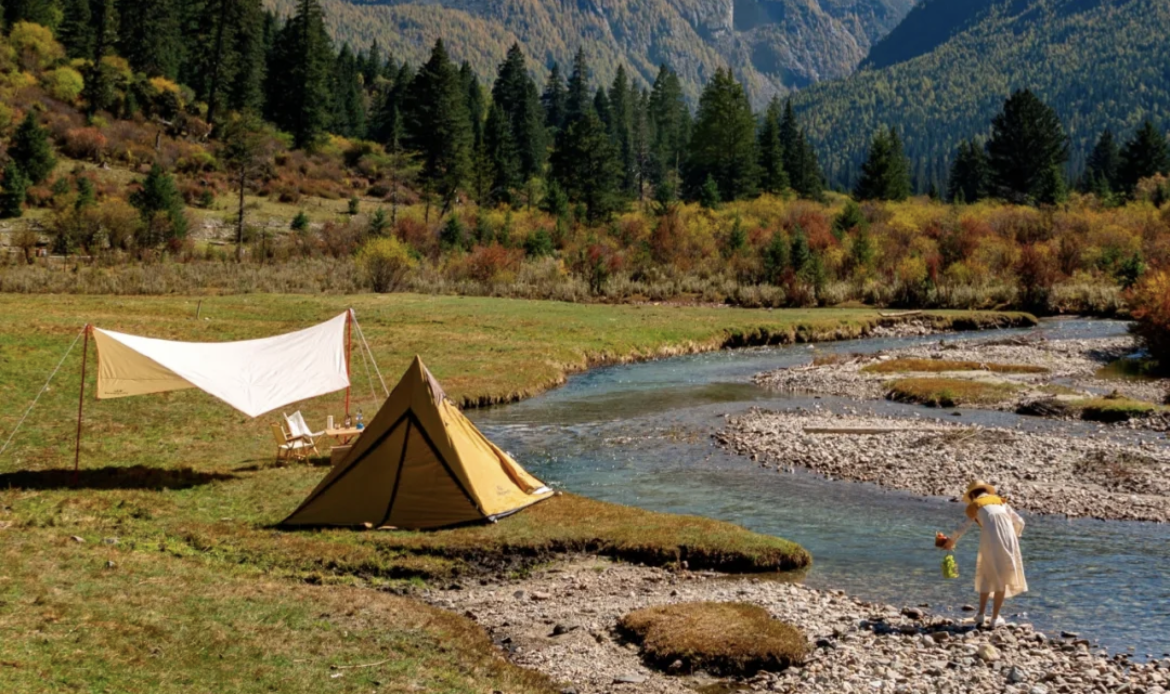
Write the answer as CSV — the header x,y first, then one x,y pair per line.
x,y
419,464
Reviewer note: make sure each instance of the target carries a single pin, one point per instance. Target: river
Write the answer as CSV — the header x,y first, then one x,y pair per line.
x,y
640,434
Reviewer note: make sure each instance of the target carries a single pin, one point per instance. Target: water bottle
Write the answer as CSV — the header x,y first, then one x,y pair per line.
x,y
360,424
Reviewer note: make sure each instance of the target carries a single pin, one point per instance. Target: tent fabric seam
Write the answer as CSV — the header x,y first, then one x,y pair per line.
x,y
398,475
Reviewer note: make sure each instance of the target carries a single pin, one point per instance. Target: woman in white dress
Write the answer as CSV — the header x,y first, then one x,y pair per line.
x,y
999,570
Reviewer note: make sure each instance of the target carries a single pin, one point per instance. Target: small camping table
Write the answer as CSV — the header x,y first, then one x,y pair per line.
x,y
344,437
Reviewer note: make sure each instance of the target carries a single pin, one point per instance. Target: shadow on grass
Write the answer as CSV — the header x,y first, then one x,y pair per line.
x,y
270,464
136,477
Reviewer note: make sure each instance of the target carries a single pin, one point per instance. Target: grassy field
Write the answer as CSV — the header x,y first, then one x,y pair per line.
x,y
162,571
950,392
943,365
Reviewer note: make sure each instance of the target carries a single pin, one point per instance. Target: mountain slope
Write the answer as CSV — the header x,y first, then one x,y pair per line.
x,y
1100,63
773,45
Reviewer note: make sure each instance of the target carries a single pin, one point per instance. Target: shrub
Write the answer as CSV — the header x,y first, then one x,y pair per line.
x,y
385,263
538,244
35,47
64,84
1150,300
85,143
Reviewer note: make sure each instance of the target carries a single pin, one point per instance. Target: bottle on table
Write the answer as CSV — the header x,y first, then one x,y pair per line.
x,y
360,423
348,421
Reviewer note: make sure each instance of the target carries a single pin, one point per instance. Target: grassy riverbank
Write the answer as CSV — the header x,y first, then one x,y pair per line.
x,y
176,577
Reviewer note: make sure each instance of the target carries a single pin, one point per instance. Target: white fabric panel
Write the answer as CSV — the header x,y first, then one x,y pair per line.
x,y
255,376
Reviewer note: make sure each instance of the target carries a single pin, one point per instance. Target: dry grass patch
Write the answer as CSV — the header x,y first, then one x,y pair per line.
x,y
907,365
1114,409
950,392
722,638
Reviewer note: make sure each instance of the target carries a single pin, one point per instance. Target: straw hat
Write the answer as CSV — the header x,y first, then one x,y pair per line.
x,y
977,485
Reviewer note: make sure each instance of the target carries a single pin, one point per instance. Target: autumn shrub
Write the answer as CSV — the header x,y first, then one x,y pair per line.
x,y
84,143
35,47
1150,302
342,239
384,263
64,84
488,264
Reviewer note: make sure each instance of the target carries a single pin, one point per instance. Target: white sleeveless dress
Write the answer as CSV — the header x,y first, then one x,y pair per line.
x,y
1000,566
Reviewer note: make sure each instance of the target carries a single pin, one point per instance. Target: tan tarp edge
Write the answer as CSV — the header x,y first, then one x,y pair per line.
x,y
123,372
419,464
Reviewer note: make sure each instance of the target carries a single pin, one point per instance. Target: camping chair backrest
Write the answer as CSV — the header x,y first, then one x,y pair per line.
x,y
278,434
297,424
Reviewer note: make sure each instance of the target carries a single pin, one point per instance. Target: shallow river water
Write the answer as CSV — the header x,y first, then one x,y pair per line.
x,y
640,435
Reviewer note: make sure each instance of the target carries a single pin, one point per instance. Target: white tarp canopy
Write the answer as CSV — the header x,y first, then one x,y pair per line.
x,y
253,376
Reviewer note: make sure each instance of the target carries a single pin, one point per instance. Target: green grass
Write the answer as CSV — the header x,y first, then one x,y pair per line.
x,y
724,638
949,392
1127,369
940,365
1115,409
189,488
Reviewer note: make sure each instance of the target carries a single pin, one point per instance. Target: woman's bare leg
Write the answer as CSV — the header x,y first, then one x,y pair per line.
x,y
983,602
997,604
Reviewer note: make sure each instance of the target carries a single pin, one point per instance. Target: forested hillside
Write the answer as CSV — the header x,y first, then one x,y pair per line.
x,y
772,45
1099,63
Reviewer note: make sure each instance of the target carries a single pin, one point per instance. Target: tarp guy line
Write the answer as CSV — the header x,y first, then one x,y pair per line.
x,y
43,389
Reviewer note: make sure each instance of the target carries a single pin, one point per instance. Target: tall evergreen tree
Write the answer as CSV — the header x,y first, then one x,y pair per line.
x,y
437,125
43,12
76,32
349,107
621,120
970,177
13,190
31,150
481,164
773,176
601,107
517,94
1143,156
149,36
578,100
885,175
502,156
554,99
670,126
584,165
161,206
98,88
800,159
640,141
1103,168
224,57
723,142
1027,149
299,81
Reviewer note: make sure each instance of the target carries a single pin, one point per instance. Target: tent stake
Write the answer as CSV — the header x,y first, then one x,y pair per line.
x,y
80,404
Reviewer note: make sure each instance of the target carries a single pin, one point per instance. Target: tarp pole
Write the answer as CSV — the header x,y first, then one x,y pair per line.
x,y
348,356
80,405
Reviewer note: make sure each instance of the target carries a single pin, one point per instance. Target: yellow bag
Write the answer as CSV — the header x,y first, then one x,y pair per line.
x,y
950,569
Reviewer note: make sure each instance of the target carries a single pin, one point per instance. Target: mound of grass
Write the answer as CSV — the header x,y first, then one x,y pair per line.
x,y
1127,369
721,638
939,365
949,392
1114,409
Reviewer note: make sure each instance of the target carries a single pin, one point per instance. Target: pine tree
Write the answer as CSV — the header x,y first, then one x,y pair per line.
x,y
245,154
800,159
224,56
554,99
1143,156
622,101
601,107
31,150
516,93
76,32
723,142
1103,168
437,125
670,127
501,154
12,191
98,90
299,80
885,175
773,177
349,106
585,166
578,100
161,207
969,179
1027,147
481,163
640,142
149,36
799,253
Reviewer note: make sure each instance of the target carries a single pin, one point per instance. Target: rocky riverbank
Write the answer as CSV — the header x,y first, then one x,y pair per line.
x,y
562,621
1093,476
1031,375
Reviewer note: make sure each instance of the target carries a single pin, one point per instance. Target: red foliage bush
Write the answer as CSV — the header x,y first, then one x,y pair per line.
x,y
417,235
85,143
491,263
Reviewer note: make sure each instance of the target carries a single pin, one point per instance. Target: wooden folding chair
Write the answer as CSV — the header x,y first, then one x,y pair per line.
x,y
288,447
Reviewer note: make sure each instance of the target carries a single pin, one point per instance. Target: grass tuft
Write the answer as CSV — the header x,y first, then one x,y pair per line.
x,y
941,365
949,392
722,638
1114,409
